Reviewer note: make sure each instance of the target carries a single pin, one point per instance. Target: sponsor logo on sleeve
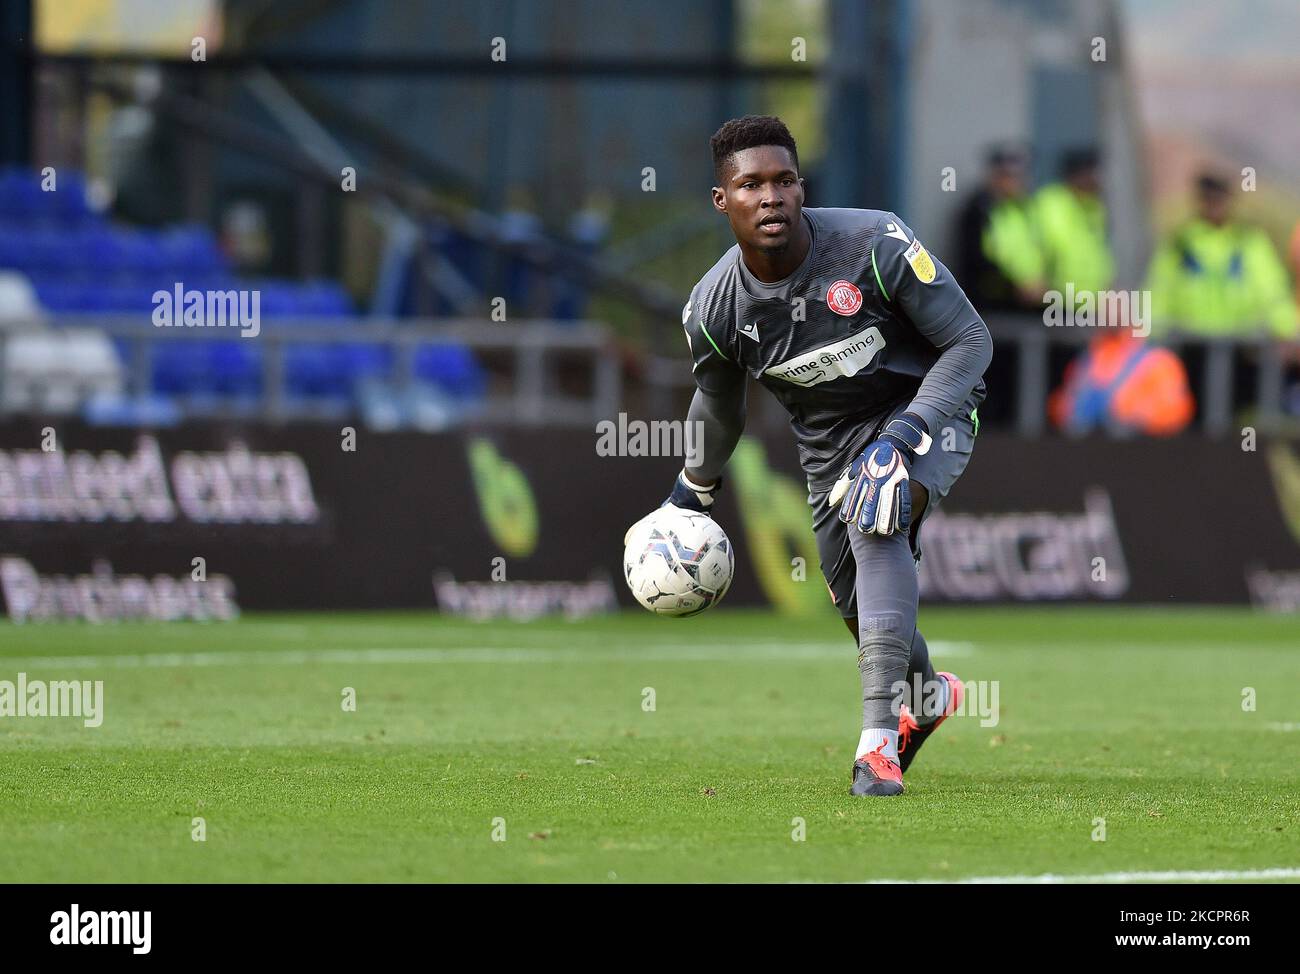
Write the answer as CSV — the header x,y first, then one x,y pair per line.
x,y
919,258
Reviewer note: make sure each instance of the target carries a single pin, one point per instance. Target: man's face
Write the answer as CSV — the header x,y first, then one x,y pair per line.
x,y
762,197
1007,179
1087,181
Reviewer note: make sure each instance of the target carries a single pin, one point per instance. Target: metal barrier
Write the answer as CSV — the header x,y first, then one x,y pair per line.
x,y
1215,380
531,398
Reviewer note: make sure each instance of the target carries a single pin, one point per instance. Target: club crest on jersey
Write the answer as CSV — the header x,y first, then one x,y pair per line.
x,y
919,258
844,298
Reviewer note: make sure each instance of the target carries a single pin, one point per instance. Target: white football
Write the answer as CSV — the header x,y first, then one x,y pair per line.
x,y
677,562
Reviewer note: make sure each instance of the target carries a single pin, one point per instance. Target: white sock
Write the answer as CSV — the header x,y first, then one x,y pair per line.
x,y
873,737
940,703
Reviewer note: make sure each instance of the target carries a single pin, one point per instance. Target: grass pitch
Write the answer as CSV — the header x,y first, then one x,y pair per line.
x,y
540,733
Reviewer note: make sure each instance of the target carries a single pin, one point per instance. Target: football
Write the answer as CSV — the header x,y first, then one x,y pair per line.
x,y
677,562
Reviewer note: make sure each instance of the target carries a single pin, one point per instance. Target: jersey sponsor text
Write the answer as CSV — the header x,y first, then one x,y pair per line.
x,y
843,358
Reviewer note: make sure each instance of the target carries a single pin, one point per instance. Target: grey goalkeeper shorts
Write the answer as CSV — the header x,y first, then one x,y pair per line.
x,y
937,471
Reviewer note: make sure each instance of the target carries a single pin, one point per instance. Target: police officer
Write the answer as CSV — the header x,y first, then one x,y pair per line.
x,y
999,256
1217,277
1071,223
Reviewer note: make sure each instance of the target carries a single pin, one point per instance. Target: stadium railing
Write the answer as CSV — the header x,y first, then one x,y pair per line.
x,y
534,353
1216,372
1212,371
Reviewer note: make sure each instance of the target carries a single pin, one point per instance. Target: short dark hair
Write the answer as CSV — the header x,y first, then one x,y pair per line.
x,y
1006,154
1210,183
1079,159
746,133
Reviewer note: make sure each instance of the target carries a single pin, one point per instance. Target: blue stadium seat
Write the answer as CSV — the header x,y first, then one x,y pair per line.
x,y
452,368
69,202
179,367
79,262
276,299
189,367
368,360
22,200
20,195
236,366
316,370
192,250
145,410
325,299
14,245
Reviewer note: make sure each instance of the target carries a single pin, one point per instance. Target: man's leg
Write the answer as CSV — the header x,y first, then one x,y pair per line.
x,y
887,594
880,574
920,672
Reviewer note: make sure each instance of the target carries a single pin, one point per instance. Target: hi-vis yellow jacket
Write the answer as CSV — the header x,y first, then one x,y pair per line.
x,y
1010,242
1220,281
1072,230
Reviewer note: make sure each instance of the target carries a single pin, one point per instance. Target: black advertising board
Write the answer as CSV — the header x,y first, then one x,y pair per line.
x,y
204,519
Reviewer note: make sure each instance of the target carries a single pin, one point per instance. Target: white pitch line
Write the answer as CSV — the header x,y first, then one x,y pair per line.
x,y
1283,726
1176,876
656,653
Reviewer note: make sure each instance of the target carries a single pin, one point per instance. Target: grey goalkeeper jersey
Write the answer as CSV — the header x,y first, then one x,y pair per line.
x,y
870,320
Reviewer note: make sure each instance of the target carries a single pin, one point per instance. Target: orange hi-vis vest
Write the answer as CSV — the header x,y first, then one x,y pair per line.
x,y
1121,382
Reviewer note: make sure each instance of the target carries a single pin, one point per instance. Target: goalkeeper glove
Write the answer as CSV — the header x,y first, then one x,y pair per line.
x,y
874,491
686,495
690,496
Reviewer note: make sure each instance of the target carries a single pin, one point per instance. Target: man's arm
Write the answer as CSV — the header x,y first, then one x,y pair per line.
x,y
718,407
965,354
1163,284
874,492
718,419
1267,278
924,290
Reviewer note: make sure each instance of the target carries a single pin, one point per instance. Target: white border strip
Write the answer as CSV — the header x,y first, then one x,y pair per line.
x,y
1176,876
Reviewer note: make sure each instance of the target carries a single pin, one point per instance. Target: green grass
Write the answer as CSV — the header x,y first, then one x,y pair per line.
x,y
1134,716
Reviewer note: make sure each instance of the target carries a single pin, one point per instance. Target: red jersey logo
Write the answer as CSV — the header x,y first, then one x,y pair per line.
x,y
844,298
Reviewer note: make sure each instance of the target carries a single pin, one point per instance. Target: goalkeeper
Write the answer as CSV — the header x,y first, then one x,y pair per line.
x,y
878,357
